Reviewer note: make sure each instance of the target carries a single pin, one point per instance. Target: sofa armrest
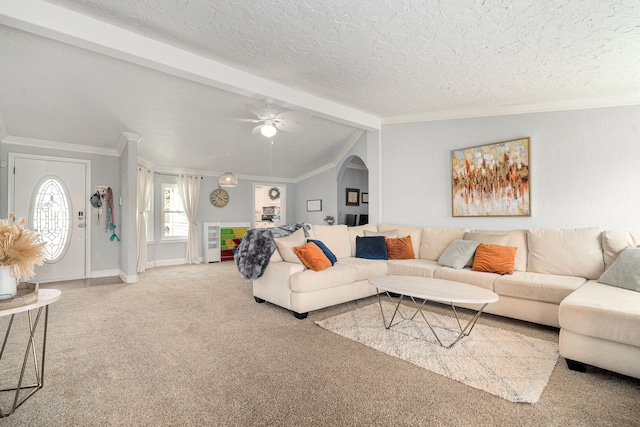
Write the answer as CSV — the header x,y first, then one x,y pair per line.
x,y
279,272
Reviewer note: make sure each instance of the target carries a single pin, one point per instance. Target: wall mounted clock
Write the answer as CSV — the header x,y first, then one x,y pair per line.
x,y
219,198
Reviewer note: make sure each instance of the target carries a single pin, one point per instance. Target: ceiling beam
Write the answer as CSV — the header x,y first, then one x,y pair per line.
x,y
57,23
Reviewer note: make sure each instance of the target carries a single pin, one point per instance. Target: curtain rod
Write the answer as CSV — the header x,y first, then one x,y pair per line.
x,y
175,174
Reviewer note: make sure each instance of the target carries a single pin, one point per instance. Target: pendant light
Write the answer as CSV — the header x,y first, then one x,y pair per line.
x,y
228,179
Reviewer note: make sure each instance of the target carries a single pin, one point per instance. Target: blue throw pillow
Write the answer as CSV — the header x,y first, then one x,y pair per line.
x,y
325,249
373,247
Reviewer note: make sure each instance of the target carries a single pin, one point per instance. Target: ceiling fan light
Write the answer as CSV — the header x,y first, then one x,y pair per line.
x,y
268,130
228,180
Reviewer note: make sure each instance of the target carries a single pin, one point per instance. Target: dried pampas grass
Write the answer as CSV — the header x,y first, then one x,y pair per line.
x,y
19,248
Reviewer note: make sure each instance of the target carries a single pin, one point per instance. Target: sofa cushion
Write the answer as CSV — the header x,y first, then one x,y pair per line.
x,y
312,256
517,238
400,248
602,311
435,241
613,242
537,286
366,268
335,237
388,233
569,252
494,259
413,267
489,239
458,253
309,281
625,271
373,247
327,252
464,275
358,231
403,231
287,244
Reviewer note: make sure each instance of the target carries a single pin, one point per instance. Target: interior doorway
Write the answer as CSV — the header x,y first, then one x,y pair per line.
x,y
269,205
353,192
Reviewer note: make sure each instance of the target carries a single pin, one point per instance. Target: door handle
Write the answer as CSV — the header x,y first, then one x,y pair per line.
x,y
81,225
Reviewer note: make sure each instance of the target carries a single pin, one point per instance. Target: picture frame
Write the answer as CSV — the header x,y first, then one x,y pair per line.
x,y
314,205
365,197
492,180
353,197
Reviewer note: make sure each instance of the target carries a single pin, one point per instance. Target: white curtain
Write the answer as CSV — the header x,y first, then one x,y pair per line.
x,y
189,187
145,187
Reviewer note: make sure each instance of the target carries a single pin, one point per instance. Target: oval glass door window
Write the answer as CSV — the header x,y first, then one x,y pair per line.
x,y
51,217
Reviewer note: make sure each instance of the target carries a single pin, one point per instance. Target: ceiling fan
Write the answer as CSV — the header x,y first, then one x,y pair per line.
x,y
270,120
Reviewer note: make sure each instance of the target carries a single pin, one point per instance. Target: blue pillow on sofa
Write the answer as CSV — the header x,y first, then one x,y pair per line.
x,y
324,249
373,247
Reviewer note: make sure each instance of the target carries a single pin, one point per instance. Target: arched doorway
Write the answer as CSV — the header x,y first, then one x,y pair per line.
x,y
353,192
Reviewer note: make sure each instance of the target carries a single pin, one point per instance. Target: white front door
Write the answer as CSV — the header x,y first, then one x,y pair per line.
x,y
51,193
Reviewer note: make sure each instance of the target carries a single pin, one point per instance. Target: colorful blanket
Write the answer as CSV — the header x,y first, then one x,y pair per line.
x,y
257,246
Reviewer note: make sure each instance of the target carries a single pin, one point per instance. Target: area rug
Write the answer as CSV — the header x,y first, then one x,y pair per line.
x,y
506,364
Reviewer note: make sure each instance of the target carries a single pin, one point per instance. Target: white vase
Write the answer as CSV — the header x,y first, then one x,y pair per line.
x,y
8,285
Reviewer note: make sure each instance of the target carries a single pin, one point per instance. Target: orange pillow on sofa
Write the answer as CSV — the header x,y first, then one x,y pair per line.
x,y
312,256
400,248
494,258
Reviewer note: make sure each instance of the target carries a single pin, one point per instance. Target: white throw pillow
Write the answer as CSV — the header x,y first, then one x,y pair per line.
x,y
393,234
286,244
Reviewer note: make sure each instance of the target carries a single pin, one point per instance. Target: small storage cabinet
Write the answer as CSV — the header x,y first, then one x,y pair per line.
x,y
221,239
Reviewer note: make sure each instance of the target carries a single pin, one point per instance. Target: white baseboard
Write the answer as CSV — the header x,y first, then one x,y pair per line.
x,y
104,273
166,262
133,278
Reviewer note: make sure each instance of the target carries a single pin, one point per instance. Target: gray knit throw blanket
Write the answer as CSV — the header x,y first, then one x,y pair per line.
x,y
257,246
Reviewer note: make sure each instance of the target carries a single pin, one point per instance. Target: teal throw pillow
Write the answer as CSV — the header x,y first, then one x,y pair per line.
x,y
373,247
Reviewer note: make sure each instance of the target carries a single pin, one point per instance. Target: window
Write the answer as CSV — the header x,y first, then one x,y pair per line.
x,y
51,218
174,221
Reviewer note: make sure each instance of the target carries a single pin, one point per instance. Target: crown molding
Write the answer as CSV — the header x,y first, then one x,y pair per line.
x,y
55,145
127,137
506,110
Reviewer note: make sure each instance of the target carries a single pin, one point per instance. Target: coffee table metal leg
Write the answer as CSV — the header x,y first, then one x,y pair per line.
x,y
464,331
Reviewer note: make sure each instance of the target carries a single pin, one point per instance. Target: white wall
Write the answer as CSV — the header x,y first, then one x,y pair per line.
x,y
584,168
323,187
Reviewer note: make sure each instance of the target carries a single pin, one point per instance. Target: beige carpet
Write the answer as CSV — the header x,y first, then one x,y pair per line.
x,y
503,363
188,345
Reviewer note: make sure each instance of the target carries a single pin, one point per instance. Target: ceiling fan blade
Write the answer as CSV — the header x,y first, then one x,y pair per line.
x,y
294,116
291,127
255,109
248,120
256,130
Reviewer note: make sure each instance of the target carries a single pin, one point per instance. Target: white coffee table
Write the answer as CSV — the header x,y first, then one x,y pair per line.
x,y
428,289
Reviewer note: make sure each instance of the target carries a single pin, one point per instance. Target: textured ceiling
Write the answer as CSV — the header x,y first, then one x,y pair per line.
x,y
391,59
395,58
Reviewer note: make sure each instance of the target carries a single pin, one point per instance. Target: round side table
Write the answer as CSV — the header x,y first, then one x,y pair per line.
x,y
45,297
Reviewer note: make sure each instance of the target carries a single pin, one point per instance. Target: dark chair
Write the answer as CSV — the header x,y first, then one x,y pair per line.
x,y
363,219
350,220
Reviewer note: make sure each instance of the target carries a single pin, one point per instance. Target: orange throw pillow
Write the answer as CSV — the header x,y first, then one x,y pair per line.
x,y
312,257
400,248
494,259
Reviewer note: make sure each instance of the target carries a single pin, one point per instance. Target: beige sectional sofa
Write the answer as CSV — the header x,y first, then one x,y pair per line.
x,y
554,283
